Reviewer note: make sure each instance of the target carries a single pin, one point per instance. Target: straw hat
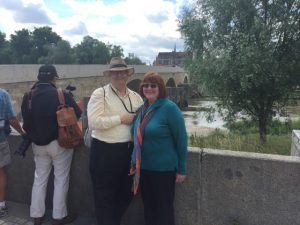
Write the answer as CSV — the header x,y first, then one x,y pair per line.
x,y
118,64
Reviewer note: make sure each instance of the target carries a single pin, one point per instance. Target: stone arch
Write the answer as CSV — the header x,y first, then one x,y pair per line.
x,y
134,85
171,83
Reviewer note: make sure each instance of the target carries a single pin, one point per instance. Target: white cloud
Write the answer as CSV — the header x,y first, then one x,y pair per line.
x,y
141,27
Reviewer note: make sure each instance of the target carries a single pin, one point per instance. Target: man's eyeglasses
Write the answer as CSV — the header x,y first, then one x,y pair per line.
x,y
149,85
119,73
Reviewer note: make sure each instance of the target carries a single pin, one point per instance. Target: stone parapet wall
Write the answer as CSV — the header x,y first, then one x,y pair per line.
x,y
222,188
295,148
15,73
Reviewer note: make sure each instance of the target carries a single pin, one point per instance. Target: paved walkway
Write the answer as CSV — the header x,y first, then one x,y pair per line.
x,y
18,214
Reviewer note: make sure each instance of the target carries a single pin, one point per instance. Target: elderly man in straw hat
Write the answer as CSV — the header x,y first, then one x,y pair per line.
x,y
110,111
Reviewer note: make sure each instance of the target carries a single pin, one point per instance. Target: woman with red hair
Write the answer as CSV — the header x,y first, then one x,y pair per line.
x,y
160,151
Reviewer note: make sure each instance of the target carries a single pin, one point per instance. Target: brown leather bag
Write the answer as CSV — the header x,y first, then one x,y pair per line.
x,y
69,133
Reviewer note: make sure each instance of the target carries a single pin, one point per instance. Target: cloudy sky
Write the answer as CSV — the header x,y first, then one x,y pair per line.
x,y
142,27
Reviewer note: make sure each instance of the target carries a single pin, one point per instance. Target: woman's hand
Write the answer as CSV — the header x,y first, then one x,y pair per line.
x,y
180,178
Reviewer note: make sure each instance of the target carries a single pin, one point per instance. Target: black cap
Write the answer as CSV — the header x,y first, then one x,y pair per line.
x,y
47,72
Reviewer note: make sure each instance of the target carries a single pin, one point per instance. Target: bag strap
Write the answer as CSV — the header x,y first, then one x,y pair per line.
x,y
103,98
29,99
61,96
103,92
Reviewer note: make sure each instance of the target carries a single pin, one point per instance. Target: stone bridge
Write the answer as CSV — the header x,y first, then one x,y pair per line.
x,y
18,79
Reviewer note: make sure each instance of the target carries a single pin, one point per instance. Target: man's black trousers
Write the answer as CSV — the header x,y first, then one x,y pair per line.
x,y
109,169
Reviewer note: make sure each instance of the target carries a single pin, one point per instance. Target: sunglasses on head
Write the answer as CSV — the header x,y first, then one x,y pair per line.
x,y
150,85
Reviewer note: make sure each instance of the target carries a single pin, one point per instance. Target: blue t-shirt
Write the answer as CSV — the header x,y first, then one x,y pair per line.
x,y
6,111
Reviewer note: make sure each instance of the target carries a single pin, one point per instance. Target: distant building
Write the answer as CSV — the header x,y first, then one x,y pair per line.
x,y
170,58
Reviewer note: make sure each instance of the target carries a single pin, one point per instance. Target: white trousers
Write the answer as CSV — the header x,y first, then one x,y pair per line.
x,y
44,157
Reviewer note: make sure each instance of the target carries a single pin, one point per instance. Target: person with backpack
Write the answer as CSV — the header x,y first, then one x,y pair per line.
x,y
110,112
39,107
7,118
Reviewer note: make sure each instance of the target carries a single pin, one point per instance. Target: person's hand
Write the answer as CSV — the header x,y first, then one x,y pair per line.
x,y
127,118
26,142
180,178
25,136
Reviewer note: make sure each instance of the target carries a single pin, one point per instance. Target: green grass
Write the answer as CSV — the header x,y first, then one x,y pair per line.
x,y
276,127
276,144
243,136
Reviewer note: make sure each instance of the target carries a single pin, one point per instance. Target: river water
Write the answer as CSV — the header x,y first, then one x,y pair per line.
x,y
197,123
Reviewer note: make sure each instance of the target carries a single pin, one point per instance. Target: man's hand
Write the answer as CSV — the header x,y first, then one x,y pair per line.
x,y
21,150
127,118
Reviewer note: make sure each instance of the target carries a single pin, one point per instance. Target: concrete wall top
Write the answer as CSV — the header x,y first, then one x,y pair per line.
x,y
24,73
248,155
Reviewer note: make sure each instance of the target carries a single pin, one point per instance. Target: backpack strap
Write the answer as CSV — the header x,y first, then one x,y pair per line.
x,y
61,96
104,98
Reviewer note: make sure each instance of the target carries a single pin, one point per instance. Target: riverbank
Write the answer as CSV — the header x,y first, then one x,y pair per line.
x,y
199,131
196,116
244,136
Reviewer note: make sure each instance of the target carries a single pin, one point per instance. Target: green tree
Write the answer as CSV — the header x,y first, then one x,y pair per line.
x,y
5,52
115,51
246,52
134,61
2,40
21,44
42,38
91,51
62,53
